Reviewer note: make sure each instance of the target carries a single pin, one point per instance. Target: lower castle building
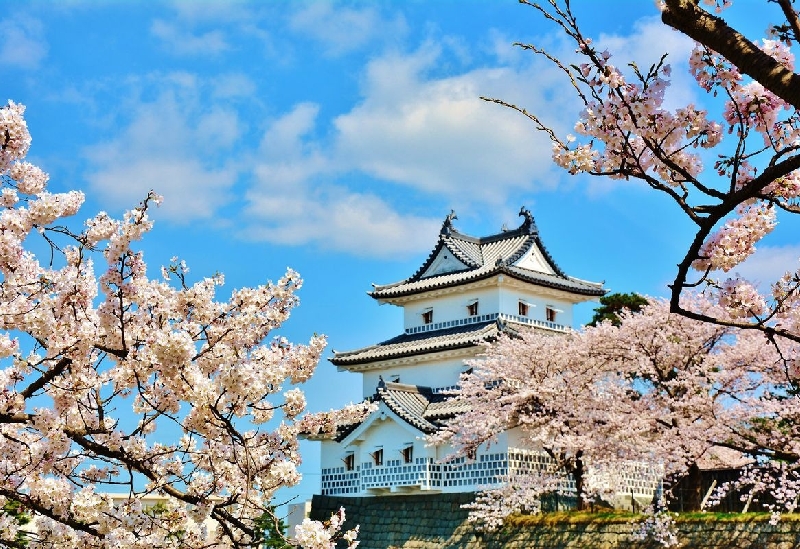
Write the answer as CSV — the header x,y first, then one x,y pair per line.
x,y
468,291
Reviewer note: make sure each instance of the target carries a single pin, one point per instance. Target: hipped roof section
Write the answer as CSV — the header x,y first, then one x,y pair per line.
x,y
485,257
420,407
425,343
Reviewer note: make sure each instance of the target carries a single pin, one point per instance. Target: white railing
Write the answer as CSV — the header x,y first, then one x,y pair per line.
x,y
461,475
486,318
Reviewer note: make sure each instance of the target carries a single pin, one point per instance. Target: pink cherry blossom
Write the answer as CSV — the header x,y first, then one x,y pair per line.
x,y
750,132
115,382
658,391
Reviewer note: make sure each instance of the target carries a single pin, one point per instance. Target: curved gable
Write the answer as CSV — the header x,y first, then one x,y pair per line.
x,y
534,260
443,263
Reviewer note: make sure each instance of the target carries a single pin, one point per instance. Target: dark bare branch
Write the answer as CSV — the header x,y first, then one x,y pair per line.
x,y
687,17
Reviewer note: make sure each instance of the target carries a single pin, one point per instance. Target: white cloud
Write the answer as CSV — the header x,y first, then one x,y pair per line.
x,y
434,135
233,85
22,42
332,217
182,42
431,134
190,190
175,145
295,201
767,265
415,130
342,29
218,128
284,137
285,159
438,136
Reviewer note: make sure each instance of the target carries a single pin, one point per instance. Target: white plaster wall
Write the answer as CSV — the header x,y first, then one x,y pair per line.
x,y
516,438
392,437
534,260
331,454
490,300
296,514
509,304
384,433
435,374
451,307
445,262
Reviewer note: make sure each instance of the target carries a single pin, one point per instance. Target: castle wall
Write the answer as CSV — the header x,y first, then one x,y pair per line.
x,y
425,472
439,522
451,307
502,299
441,373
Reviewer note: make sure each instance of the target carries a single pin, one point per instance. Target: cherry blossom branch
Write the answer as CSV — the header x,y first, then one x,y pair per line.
x,y
791,17
687,17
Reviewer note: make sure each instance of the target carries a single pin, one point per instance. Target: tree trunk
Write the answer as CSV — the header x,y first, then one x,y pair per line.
x,y
693,493
579,474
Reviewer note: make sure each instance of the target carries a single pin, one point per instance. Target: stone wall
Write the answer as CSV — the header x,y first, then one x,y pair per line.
x,y
437,521
410,522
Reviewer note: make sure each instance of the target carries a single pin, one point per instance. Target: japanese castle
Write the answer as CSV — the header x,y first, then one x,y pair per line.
x,y
468,291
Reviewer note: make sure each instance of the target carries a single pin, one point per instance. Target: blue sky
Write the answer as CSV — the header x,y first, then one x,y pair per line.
x,y
334,138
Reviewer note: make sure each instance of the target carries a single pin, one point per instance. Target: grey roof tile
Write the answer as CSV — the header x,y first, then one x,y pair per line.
x,y
421,407
486,257
418,406
424,342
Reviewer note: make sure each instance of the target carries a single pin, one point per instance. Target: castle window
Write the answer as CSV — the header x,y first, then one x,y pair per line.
x,y
408,454
523,308
427,316
349,461
472,308
551,312
377,456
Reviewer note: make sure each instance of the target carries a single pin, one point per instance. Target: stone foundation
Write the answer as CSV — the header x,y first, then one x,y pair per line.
x,y
437,521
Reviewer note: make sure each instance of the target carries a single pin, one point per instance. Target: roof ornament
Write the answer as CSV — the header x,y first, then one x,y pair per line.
x,y
529,225
381,383
500,261
447,226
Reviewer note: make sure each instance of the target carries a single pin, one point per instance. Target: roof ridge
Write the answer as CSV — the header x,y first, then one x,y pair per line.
x,y
428,262
509,246
409,416
448,235
548,257
407,387
460,254
521,250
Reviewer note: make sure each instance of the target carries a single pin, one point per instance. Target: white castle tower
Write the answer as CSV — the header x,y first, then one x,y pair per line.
x,y
467,291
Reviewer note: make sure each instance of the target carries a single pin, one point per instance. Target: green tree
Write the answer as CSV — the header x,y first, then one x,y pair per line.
x,y
14,508
273,529
613,304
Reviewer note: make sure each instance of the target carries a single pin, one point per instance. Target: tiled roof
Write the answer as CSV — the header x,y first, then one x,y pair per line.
x,y
486,257
419,343
719,457
411,287
420,407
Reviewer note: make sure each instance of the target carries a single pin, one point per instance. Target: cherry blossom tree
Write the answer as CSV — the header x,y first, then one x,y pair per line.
x,y
658,389
119,383
698,372
625,132
715,34
731,167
